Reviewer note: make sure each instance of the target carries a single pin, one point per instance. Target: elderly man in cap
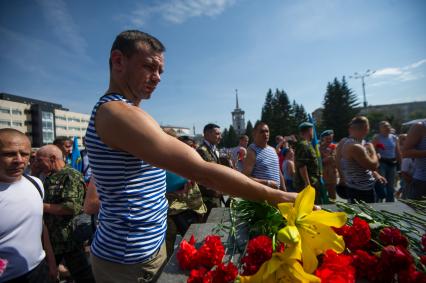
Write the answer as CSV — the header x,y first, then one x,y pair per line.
x,y
306,161
329,167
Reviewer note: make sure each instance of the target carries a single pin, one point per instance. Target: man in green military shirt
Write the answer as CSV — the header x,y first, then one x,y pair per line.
x,y
209,152
306,161
64,195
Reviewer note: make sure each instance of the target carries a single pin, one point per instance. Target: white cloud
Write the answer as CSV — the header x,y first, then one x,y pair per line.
x,y
399,74
178,11
63,26
388,72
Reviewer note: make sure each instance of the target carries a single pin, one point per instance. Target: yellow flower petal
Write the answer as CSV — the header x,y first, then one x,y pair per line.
x,y
289,234
301,275
304,202
286,209
333,219
315,244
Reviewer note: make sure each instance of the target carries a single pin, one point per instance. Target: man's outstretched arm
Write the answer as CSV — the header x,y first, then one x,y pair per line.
x,y
129,128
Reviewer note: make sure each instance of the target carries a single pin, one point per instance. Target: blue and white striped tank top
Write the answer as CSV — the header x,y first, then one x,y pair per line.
x,y
356,177
133,212
267,164
420,163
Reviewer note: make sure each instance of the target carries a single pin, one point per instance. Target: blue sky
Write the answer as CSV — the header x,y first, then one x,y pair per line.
x,y
58,51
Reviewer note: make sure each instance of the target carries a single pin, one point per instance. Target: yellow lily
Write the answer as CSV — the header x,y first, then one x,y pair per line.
x,y
281,268
309,231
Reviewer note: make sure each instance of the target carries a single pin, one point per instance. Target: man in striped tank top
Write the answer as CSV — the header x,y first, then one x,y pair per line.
x,y
261,163
126,149
415,147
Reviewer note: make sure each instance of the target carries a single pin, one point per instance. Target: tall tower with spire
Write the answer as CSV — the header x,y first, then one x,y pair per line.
x,y
238,121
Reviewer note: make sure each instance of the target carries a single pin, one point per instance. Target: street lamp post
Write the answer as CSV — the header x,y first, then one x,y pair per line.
x,y
356,75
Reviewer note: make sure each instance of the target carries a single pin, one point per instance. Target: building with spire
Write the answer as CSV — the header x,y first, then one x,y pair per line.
x,y
238,121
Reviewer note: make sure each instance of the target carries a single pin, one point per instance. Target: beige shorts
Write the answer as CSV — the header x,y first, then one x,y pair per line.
x,y
111,272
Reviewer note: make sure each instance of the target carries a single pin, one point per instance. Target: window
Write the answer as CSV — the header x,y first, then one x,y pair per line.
x,y
16,112
61,127
61,118
47,126
17,124
4,110
4,123
71,119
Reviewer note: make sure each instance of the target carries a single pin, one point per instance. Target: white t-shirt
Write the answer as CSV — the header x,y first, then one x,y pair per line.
x,y
407,166
21,212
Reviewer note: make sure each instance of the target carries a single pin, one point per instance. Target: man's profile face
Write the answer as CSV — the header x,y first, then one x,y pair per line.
x,y
213,136
142,72
385,129
67,147
14,156
43,163
328,139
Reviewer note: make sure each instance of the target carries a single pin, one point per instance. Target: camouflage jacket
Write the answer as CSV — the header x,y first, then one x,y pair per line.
x,y
208,155
67,188
187,199
305,155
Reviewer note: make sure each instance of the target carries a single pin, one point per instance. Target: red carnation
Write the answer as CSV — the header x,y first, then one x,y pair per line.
x,y
197,275
211,253
259,250
356,236
186,254
392,236
396,258
342,231
222,274
393,259
411,275
423,259
336,268
364,263
380,146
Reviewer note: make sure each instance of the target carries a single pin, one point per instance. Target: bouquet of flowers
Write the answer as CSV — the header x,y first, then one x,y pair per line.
x,y
295,243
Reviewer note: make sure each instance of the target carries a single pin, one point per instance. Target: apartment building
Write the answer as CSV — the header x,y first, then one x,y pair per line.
x,y
41,121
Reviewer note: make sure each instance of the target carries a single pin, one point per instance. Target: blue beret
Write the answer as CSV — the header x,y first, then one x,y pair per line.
x,y
326,133
305,125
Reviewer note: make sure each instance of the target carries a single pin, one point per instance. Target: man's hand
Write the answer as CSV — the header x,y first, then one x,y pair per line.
x,y
379,178
272,184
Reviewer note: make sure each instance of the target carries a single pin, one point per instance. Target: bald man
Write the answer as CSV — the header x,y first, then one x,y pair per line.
x,y
21,208
65,189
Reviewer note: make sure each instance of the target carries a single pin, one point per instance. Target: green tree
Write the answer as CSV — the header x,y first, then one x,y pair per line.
x,y
267,109
232,137
340,106
298,115
225,137
281,120
249,131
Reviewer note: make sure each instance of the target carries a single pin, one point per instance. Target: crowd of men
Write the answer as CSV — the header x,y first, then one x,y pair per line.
x,y
147,185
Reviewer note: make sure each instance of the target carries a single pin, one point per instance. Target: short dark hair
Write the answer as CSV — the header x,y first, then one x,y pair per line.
x,y
209,127
127,42
259,124
61,140
358,121
243,137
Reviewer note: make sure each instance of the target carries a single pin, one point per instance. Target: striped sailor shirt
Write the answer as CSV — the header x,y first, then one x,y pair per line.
x,y
267,165
133,212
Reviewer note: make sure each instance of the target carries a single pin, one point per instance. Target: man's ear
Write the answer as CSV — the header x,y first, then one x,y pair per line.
x,y
52,158
117,60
